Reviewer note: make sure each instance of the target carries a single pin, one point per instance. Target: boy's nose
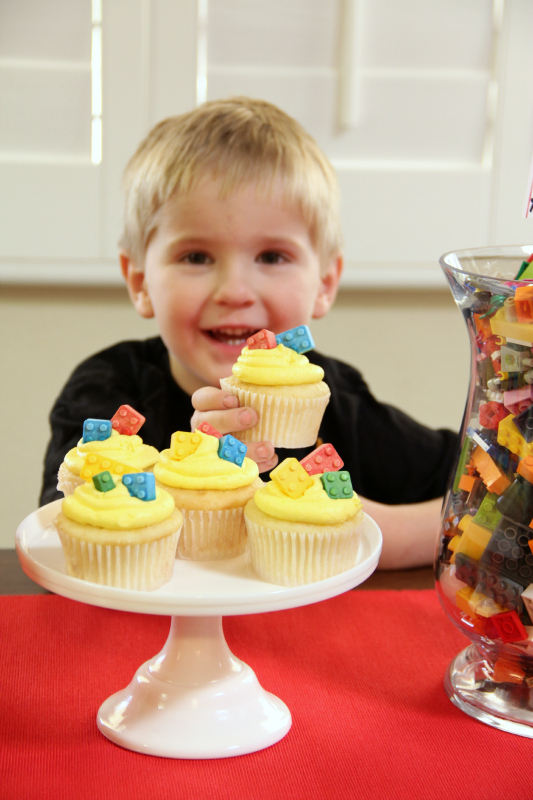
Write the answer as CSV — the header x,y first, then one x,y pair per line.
x,y
233,288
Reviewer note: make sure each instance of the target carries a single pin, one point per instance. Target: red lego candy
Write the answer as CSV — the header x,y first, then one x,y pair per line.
x,y
127,421
491,414
263,340
205,427
324,459
509,627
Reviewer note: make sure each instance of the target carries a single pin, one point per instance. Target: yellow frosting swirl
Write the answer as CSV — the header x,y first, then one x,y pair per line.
x,y
314,506
116,509
204,469
129,450
279,366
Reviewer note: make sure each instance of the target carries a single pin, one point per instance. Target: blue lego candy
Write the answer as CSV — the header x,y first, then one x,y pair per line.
x,y
96,430
230,449
338,485
103,481
298,339
140,485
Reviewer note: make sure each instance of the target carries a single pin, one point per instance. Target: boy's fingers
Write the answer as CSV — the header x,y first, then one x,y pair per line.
x,y
260,452
208,398
228,421
263,454
266,466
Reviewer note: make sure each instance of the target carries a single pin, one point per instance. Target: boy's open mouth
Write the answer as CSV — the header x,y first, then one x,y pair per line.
x,y
231,336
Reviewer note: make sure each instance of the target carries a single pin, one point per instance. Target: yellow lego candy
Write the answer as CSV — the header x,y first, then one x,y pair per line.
x,y
95,463
291,478
183,444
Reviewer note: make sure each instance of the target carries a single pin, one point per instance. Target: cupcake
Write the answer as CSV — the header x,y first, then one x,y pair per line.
x,y
120,533
115,439
304,526
211,480
274,377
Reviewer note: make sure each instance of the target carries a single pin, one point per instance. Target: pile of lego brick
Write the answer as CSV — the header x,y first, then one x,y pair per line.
x,y
485,565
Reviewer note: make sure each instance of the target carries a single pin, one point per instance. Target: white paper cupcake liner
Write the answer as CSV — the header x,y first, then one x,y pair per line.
x,y
142,567
212,535
291,559
283,421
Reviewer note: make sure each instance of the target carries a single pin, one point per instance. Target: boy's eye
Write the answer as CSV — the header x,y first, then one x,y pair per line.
x,y
196,258
272,257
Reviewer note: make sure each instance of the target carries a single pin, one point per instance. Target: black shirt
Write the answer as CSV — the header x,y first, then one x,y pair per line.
x,y
390,457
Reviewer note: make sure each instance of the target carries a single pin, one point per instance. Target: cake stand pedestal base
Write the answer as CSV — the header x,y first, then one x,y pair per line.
x,y
195,699
501,705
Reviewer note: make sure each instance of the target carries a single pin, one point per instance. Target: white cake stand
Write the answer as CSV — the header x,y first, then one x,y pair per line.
x,y
194,699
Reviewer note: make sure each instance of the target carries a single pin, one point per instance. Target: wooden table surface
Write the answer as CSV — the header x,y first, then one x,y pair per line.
x,y
14,581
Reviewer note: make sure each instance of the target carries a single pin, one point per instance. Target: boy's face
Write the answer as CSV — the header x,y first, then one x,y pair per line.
x,y
217,271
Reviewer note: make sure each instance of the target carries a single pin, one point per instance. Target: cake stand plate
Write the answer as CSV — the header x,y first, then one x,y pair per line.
x,y
195,699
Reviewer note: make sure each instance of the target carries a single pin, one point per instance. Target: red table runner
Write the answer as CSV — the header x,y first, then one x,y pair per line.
x,y
361,673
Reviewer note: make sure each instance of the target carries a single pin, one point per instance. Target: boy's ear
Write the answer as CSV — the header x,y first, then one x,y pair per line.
x,y
135,282
329,284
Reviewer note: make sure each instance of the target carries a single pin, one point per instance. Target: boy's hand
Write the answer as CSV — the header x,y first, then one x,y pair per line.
x,y
221,410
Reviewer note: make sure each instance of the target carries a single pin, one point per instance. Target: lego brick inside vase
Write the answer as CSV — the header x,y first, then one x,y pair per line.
x,y
474,540
488,513
524,423
508,553
463,461
518,400
493,477
502,590
520,331
516,502
510,437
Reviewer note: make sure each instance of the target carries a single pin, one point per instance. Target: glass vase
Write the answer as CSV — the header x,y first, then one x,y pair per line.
x,y
484,560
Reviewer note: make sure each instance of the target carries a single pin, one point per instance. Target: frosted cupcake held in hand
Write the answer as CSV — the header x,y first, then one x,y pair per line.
x,y
121,533
274,377
306,523
115,439
211,480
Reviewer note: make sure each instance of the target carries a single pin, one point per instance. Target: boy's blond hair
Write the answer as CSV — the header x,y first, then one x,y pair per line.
x,y
235,141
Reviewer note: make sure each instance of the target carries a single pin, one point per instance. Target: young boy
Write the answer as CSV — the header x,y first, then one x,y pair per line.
x,y
232,225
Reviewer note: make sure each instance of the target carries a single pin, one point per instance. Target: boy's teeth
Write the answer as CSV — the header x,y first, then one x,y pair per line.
x,y
233,336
